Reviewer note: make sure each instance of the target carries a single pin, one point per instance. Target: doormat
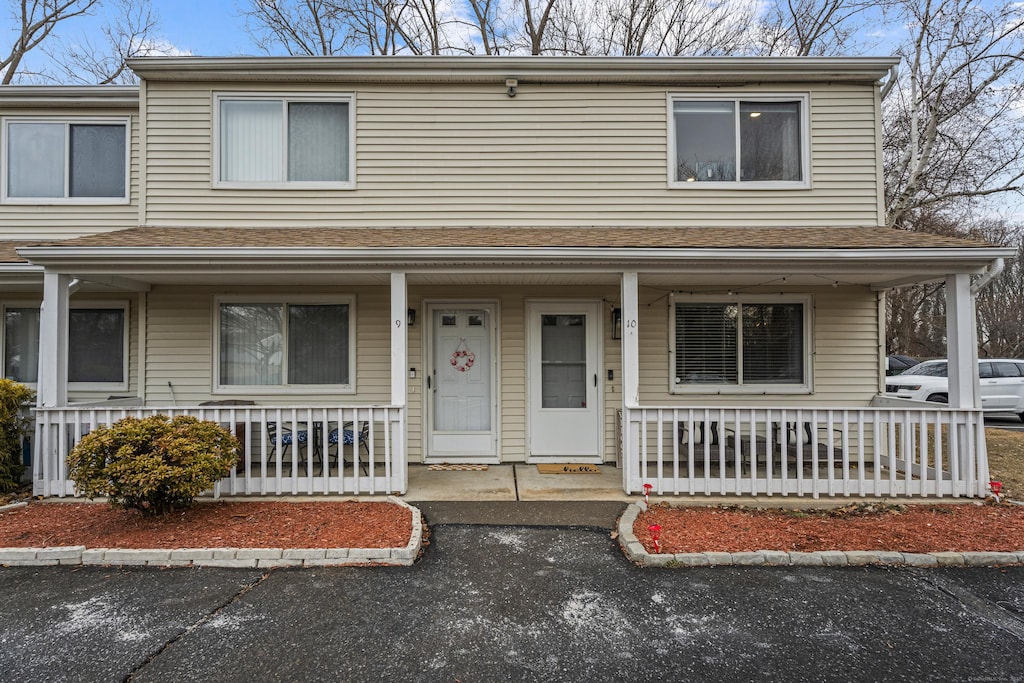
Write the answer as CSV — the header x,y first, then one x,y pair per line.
x,y
568,468
445,467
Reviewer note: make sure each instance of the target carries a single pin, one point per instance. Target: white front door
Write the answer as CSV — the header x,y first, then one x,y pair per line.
x,y
564,377
461,405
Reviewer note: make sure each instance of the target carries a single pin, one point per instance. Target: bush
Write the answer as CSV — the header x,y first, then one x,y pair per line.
x,y
13,427
154,465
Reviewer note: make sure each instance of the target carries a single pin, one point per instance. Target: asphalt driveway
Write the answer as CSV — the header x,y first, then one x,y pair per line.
x,y
507,603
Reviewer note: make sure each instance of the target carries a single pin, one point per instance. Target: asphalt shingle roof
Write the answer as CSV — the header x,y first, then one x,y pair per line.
x,y
619,238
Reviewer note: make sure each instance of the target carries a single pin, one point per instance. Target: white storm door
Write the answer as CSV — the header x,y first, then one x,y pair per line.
x,y
461,401
564,397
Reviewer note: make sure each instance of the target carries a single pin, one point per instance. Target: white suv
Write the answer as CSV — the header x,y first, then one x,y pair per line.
x,y
1002,384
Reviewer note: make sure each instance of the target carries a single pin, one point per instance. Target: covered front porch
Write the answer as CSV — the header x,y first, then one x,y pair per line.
x,y
806,420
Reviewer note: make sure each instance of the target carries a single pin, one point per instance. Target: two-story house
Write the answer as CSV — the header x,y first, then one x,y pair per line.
x,y
358,264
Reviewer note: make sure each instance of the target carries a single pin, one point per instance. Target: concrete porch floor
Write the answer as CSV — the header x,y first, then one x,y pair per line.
x,y
513,482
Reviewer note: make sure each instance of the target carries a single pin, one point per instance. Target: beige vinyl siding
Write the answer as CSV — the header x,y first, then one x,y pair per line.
x,y
555,155
60,221
844,339
180,350
179,333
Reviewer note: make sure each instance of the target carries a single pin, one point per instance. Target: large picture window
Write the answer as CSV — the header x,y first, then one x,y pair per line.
x,y
97,346
746,344
755,142
284,142
284,344
78,161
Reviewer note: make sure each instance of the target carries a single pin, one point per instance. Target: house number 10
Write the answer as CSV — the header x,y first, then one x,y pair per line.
x,y
631,324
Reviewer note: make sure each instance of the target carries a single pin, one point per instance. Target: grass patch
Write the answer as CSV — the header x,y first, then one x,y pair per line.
x,y
1006,460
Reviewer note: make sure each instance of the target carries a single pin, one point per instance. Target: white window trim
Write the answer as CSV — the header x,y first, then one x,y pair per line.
x,y
737,97
67,121
82,386
284,99
8,304
237,389
106,386
808,322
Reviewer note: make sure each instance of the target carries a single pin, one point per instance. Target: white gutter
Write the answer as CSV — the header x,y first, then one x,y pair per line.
x,y
990,274
486,69
91,96
84,254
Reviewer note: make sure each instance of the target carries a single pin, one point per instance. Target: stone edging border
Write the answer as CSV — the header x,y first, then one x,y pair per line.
x,y
223,557
635,551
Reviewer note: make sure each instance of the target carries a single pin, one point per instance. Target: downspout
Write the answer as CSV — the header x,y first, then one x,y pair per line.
x,y
990,274
894,73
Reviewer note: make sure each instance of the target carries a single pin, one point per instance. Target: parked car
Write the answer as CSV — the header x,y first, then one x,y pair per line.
x,y
895,364
1001,380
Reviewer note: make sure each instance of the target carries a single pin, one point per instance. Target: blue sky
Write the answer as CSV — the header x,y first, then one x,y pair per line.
x,y
204,27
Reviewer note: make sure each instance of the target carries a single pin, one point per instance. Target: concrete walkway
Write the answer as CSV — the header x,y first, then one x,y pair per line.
x,y
511,603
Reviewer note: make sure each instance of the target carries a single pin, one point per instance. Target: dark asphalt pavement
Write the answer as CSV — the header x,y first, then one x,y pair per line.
x,y
1005,422
509,603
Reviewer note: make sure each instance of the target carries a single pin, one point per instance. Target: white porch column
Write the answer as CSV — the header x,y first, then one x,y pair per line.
x,y
630,376
52,389
399,367
961,344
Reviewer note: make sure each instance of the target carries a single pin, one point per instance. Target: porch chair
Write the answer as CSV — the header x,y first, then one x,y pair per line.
x,y
288,439
348,437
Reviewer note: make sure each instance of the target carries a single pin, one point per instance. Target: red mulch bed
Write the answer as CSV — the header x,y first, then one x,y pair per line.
x,y
221,524
914,529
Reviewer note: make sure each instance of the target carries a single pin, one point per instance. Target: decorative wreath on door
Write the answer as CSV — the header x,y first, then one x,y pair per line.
x,y
462,358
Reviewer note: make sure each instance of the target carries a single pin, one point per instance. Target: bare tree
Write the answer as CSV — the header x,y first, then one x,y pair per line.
x,y
34,22
104,62
129,33
300,27
803,28
952,133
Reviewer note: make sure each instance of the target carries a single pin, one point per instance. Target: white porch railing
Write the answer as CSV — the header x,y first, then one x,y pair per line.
x,y
879,452
286,450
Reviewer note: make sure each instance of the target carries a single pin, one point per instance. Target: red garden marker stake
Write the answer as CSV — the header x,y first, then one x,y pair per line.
x,y
655,530
996,487
647,492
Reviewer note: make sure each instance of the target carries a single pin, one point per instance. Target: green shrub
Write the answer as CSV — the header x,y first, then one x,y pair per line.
x,y
13,426
154,465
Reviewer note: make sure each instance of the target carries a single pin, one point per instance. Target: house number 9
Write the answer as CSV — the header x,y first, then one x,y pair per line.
x,y
398,323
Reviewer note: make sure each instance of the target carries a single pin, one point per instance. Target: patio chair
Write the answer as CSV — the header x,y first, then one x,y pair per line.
x,y
347,437
288,439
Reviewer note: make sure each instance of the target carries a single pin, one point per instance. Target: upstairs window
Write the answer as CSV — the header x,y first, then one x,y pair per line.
x,y
736,346
284,142
78,161
739,142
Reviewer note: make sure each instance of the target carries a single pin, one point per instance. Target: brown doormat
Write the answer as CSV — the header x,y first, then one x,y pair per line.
x,y
568,468
445,467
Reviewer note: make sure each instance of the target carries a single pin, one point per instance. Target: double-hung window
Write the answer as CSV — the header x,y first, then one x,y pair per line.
x,y
97,345
283,142
747,344
273,345
739,141
75,161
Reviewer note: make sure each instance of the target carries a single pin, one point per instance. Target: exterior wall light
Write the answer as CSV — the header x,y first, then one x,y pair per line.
x,y
412,316
616,323
512,85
